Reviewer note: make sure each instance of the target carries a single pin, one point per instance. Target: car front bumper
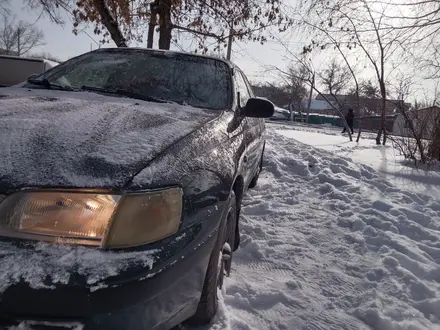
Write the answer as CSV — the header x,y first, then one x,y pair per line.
x,y
157,299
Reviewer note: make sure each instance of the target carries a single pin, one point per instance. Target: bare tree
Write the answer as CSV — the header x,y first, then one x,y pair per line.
x,y
309,79
4,7
331,39
28,37
369,90
45,55
368,94
19,38
8,38
422,20
335,78
417,130
296,84
52,8
361,26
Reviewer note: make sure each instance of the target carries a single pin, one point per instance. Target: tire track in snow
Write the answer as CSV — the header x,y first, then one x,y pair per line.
x,y
329,244
264,267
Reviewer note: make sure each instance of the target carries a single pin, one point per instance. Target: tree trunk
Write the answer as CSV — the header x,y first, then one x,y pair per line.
x,y
110,23
359,116
383,121
359,132
18,42
383,115
358,111
230,40
152,24
165,26
309,103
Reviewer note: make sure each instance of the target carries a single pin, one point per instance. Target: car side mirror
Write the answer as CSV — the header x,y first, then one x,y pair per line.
x,y
258,108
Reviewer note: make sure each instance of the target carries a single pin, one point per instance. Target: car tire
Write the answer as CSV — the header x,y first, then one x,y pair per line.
x,y
217,268
231,229
254,181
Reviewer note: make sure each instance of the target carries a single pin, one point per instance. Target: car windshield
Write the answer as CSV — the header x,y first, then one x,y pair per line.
x,y
185,79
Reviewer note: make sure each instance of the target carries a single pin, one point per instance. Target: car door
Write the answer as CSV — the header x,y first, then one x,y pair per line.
x,y
252,130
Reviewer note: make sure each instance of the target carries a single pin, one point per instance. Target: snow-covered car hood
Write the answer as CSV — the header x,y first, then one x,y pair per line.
x,y
81,139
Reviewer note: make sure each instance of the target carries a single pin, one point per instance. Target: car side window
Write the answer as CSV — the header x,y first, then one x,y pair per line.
x,y
251,93
242,88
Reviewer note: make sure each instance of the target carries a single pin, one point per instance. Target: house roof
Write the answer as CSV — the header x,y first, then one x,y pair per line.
x,y
330,97
316,105
436,108
364,102
343,97
433,109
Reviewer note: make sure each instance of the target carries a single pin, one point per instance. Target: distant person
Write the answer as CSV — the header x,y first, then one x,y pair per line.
x,y
349,117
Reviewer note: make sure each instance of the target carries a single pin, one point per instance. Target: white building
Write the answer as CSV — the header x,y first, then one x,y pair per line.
x,y
15,70
423,122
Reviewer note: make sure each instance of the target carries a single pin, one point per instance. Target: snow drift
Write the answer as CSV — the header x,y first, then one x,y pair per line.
x,y
328,243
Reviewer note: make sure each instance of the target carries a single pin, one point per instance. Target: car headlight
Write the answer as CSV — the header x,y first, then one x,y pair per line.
x,y
106,220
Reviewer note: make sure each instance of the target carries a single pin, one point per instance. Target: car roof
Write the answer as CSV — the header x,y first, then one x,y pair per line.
x,y
163,51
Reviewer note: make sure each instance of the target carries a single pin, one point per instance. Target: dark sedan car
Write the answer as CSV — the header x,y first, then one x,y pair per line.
x,y
121,178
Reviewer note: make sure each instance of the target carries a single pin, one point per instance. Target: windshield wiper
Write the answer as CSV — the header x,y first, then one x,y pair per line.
x,y
46,83
126,93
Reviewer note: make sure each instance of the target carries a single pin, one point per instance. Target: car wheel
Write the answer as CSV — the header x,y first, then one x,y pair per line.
x,y
260,168
219,266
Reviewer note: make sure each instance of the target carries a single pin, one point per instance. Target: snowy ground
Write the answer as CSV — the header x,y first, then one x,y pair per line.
x,y
384,159
331,243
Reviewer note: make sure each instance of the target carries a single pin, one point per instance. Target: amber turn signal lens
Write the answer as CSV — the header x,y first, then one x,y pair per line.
x,y
142,219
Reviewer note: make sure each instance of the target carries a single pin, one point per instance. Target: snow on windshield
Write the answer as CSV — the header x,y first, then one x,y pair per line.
x,y
197,81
